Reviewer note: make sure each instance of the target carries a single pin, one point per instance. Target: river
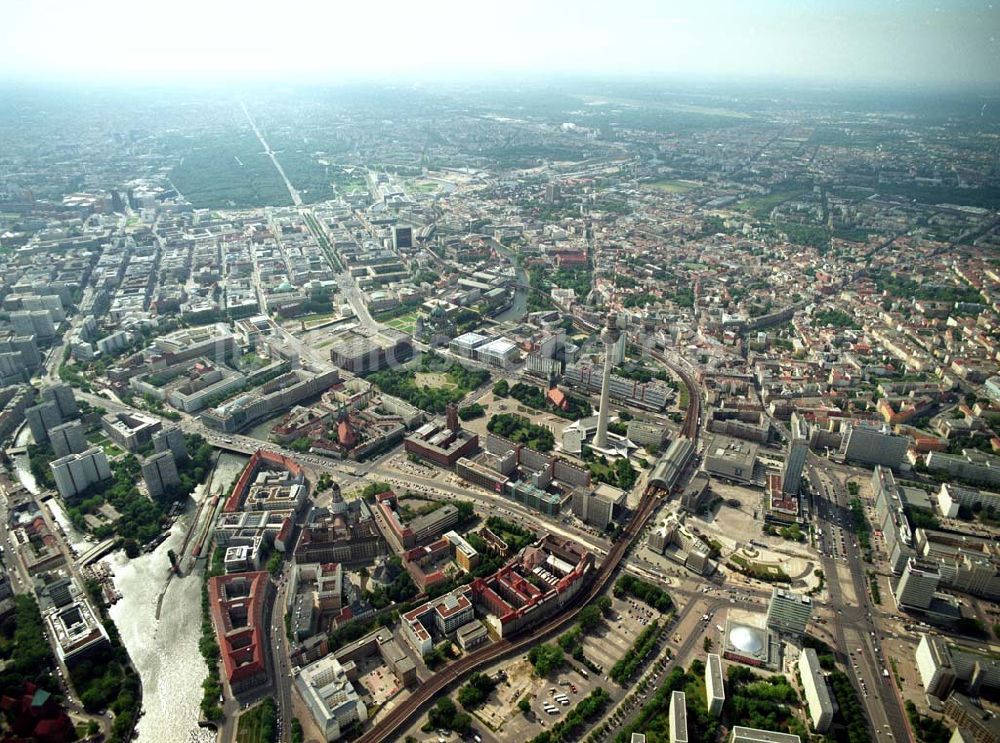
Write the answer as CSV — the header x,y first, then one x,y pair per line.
x,y
519,307
164,650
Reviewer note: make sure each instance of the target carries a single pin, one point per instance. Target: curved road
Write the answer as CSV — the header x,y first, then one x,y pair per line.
x,y
387,728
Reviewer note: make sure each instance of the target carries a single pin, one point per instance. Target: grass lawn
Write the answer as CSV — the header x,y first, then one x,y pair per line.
x,y
434,380
256,725
680,186
404,323
310,320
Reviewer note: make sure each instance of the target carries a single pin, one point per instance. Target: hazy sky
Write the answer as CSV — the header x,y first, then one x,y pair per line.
x,y
845,41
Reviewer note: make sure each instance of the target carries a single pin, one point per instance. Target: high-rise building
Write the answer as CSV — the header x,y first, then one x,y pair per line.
x,y
818,698
170,438
917,585
68,438
609,336
159,472
41,419
870,445
788,613
678,724
798,447
715,691
74,473
402,236
62,396
935,666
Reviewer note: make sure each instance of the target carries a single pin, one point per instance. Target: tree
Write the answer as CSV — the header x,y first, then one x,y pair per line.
x,y
501,388
524,705
590,617
545,658
604,604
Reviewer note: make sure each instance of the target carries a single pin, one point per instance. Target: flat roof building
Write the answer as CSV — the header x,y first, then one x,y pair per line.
x,y
330,697
820,702
715,691
741,734
788,613
731,459
678,718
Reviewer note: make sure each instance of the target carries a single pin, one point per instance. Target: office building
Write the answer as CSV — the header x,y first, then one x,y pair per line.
x,y
159,472
971,465
934,664
330,696
42,418
788,613
820,702
62,396
970,720
237,603
130,431
402,236
68,438
74,473
715,691
70,620
870,445
730,459
798,447
917,585
677,724
597,506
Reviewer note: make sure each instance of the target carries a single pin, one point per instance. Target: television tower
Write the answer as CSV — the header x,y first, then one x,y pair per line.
x,y
609,335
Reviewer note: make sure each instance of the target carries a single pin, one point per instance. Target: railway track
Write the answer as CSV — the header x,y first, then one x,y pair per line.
x,y
389,726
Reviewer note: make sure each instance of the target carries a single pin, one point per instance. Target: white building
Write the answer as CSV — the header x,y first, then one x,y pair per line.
x,y
715,690
74,473
818,698
678,718
330,696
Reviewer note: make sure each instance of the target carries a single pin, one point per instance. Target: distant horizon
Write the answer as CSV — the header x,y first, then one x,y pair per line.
x,y
850,44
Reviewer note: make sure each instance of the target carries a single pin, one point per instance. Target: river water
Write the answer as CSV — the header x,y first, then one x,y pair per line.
x,y
519,307
163,649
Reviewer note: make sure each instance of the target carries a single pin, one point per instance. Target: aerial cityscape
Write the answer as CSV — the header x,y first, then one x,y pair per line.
x,y
555,407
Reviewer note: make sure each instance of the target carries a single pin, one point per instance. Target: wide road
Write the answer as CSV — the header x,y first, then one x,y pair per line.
x,y
853,625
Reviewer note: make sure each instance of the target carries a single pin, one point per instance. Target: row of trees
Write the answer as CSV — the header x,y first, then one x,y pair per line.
x,y
649,593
